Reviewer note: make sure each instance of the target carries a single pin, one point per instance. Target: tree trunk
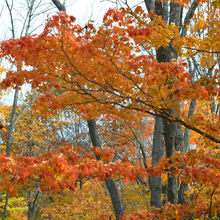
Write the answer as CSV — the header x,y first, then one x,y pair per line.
x,y
12,123
157,153
174,140
173,135
110,183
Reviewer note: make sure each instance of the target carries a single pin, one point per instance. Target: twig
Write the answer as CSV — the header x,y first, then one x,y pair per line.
x,y
200,50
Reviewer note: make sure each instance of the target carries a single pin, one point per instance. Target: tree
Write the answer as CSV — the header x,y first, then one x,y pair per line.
x,y
32,10
102,72
112,189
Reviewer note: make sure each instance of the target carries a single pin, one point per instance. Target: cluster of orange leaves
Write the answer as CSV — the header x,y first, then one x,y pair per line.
x,y
59,170
115,71
102,71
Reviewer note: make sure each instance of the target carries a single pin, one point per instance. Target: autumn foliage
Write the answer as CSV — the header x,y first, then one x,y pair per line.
x,y
105,73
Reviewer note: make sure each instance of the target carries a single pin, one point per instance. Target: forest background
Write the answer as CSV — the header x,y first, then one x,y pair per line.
x,y
121,118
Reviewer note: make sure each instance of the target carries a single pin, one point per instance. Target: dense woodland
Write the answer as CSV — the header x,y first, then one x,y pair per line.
x,y
120,119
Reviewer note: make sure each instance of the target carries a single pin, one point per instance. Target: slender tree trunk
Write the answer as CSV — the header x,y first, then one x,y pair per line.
x,y
173,134
5,206
171,129
181,194
15,103
169,137
8,144
174,140
110,183
157,153
12,123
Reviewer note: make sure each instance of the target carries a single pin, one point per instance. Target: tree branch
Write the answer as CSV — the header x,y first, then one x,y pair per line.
x,y
189,15
59,5
27,107
200,50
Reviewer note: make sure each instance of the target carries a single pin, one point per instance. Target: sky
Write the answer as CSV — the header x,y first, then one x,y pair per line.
x,y
82,10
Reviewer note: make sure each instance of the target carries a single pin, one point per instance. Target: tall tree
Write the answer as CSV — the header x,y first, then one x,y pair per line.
x,y
170,12
30,12
110,183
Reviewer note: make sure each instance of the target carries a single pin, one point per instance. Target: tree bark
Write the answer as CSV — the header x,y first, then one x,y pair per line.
x,y
12,123
174,140
172,131
59,5
157,153
110,183
173,134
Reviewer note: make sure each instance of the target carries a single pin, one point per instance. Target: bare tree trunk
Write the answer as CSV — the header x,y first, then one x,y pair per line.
x,y
8,144
110,183
174,140
173,134
157,153
5,206
12,123
172,131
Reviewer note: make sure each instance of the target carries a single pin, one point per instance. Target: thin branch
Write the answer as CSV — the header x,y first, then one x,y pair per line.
x,y
30,13
27,107
34,202
1,10
200,50
141,146
11,17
